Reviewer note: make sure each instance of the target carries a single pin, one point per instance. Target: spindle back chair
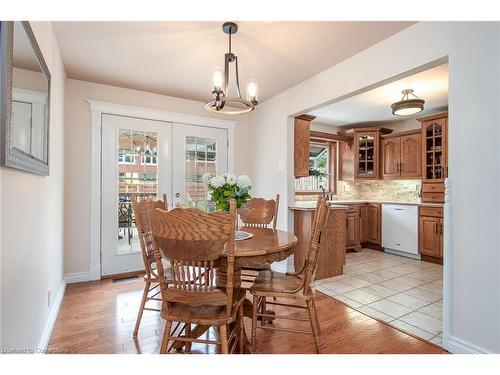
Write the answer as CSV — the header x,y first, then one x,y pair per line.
x,y
257,213
196,243
151,288
297,286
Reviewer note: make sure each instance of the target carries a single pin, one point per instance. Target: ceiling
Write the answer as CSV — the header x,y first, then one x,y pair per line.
x,y
178,58
23,55
375,105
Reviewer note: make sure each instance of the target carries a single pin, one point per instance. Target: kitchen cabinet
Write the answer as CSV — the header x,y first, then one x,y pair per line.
x,y
373,224
401,155
363,224
302,131
331,254
346,161
366,154
431,233
434,157
391,155
353,228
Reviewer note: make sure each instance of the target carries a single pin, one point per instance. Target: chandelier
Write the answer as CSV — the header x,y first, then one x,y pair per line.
x,y
408,106
223,102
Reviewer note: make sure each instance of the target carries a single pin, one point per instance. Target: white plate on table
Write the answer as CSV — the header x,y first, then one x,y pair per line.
x,y
240,235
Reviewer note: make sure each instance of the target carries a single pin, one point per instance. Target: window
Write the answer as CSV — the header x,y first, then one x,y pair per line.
x,y
124,157
322,164
149,159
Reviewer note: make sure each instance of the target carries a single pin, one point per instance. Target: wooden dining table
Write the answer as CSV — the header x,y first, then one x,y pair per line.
x,y
265,247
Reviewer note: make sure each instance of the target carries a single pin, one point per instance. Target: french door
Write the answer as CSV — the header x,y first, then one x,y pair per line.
x,y
150,158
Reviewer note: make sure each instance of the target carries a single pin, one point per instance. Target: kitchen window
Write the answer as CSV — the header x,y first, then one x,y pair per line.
x,y
322,163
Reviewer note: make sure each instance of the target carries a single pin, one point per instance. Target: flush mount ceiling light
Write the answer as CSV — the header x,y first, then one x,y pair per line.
x,y
223,103
408,106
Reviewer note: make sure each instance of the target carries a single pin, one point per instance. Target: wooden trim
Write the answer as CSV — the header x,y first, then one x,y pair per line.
x,y
332,166
428,258
332,137
306,117
383,131
401,134
433,117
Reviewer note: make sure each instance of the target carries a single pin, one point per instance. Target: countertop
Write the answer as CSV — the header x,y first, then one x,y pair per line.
x,y
311,205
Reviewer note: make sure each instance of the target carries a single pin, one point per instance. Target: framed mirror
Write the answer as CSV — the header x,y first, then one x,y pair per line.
x,y
25,100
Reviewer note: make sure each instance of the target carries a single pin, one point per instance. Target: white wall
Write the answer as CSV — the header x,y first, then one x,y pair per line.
x,y
77,153
31,221
473,262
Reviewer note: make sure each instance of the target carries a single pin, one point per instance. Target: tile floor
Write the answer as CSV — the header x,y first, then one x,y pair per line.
x,y
405,293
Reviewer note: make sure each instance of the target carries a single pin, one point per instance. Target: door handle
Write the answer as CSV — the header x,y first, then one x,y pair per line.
x,y
177,195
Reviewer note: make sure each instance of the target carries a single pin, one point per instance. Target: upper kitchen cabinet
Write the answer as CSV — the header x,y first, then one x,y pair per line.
x,y
346,161
434,157
401,155
366,153
434,138
302,133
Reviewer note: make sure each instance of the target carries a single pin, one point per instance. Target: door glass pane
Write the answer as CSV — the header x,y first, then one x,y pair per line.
x,y
201,157
138,175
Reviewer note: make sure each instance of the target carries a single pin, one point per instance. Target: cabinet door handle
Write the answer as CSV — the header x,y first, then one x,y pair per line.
x,y
437,228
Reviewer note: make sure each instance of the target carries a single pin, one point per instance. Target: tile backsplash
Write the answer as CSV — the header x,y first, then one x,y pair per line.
x,y
390,190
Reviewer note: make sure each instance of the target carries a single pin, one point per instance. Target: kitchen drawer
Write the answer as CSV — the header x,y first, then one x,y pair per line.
x,y
433,197
433,188
431,211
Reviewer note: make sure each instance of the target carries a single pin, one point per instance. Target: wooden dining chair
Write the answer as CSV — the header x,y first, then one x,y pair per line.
x,y
296,286
196,242
151,277
258,213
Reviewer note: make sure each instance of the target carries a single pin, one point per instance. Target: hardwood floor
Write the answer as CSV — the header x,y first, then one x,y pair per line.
x,y
99,317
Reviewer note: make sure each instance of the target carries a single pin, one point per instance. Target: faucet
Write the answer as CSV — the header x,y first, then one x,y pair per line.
x,y
324,192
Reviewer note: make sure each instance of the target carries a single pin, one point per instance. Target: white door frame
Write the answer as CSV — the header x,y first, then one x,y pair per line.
x,y
97,109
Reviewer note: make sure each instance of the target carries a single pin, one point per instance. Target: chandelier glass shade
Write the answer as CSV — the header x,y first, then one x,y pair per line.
x,y
408,106
222,102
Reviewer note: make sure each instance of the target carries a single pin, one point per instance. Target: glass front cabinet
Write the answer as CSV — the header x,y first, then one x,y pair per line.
x,y
434,168
434,157
366,142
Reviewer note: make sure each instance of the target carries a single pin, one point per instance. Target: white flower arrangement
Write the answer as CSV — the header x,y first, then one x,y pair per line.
x,y
223,188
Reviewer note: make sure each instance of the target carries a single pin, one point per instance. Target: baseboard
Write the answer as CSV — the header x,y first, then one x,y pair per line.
x,y
51,320
458,346
78,277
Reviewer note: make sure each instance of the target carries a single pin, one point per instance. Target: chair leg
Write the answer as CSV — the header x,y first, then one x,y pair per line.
x,y
242,329
166,337
141,308
314,324
316,316
254,319
263,311
223,339
187,333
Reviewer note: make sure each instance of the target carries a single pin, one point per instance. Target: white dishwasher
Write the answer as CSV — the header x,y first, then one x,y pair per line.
x,y
400,229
